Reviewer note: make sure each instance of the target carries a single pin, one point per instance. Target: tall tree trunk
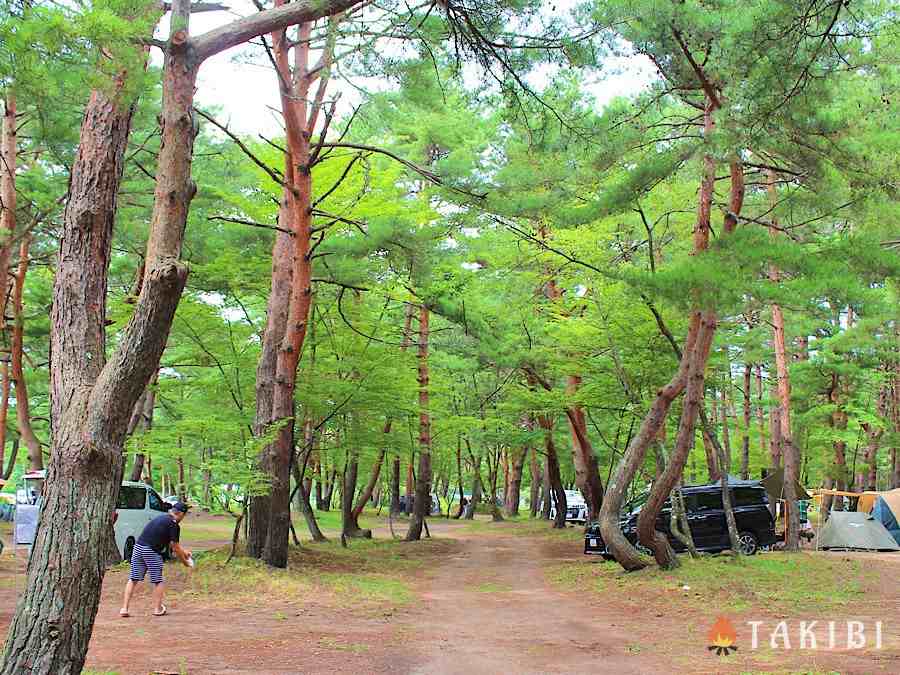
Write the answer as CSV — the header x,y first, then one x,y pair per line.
x,y
328,498
366,493
514,491
4,410
760,410
696,359
536,481
789,449
725,463
142,421
92,401
422,502
305,507
684,441
745,441
300,112
8,164
587,470
410,484
395,485
712,461
459,477
23,414
8,159
555,480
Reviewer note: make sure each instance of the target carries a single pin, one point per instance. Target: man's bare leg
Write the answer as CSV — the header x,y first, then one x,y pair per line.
x,y
126,601
158,590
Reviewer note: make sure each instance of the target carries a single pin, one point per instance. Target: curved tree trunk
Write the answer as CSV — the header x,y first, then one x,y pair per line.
x,y
695,359
624,553
367,491
23,414
91,402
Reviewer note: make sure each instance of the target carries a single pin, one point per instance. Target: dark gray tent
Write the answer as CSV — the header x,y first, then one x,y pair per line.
x,y
855,530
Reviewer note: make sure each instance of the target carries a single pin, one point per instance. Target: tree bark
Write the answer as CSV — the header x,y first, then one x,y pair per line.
x,y
366,493
514,490
695,359
422,502
4,410
395,486
142,420
555,480
92,401
789,449
8,163
684,441
305,507
587,470
536,480
745,441
23,414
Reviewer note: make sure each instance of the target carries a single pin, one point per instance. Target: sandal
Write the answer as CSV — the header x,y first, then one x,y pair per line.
x,y
124,614
162,613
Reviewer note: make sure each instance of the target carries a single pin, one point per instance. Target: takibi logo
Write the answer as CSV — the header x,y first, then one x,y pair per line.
x,y
722,637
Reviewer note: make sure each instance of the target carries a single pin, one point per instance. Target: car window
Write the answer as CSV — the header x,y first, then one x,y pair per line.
x,y
156,502
708,500
747,497
131,497
690,502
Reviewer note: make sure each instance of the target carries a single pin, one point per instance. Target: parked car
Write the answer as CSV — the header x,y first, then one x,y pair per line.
x,y
136,506
576,507
706,519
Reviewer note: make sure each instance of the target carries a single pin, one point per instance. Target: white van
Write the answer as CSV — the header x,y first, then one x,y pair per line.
x,y
136,506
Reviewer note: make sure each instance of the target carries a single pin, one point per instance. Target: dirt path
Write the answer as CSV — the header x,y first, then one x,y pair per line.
x,y
490,610
484,606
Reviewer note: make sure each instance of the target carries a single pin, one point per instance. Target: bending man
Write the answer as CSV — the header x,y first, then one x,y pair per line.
x,y
159,533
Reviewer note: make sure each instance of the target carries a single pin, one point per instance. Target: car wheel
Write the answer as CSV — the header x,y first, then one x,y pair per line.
x,y
129,548
748,543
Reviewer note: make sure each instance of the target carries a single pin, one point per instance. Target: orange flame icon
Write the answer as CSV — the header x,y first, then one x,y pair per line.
x,y
722,637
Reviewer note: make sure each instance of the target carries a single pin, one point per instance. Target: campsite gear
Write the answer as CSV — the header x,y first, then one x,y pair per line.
x,y
854,530
706,517
886,510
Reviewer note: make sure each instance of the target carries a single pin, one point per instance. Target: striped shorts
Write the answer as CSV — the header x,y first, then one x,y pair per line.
x,y
144,558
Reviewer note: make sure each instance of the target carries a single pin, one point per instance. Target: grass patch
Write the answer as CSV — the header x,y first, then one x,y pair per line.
x,y
375,589
372,572
775,581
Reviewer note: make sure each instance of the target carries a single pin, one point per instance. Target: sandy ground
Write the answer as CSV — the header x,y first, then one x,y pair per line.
x,y
487,607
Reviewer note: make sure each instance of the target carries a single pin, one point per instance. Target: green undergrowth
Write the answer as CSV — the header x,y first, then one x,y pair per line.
x,y
777,582
369,572
525,526
204,527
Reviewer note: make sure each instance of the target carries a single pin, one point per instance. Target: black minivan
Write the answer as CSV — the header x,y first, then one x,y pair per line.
x,y
706,518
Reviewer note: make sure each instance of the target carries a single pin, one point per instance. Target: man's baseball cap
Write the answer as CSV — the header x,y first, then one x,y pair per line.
x,y
181,507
